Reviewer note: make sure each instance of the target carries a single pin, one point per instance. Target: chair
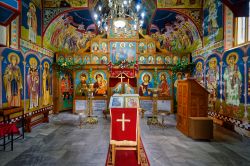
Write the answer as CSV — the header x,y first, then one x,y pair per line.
x,y
124,131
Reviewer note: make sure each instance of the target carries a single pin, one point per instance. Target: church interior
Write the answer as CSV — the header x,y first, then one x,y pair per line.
x,y
124,82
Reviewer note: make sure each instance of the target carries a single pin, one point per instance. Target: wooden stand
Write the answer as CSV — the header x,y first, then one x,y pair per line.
x,y
192,101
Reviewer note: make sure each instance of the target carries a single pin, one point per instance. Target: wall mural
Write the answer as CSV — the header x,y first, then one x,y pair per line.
x,y
81,83
33,80
46,82
175,32
31,21
12,70
213,21
65,3
179,3
227,79
66,97
198,71
65,34
164,84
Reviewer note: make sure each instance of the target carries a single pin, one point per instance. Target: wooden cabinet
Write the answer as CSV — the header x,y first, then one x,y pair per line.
x,y
192,101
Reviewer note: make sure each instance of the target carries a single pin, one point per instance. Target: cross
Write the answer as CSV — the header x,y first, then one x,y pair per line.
x,y
121,77
123,120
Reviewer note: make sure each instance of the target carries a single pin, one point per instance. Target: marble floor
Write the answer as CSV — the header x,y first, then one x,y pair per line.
x,y
61,142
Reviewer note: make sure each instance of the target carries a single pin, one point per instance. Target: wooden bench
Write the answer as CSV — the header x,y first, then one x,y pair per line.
x,y
29,122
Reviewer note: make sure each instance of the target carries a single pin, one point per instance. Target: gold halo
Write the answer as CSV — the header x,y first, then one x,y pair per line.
x,y
12,54
46,63
150,76
162,73
98,73
31,5
211,60
141,44
233,54
198,64
122,44
86,74
33,61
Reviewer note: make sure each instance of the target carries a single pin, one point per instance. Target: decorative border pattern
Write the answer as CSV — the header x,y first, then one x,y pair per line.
x,y
208,49
236,122
37,48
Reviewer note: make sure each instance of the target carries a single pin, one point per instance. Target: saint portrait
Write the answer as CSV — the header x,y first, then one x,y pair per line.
x,y
32,22
168,60
163,87
159,60
199,72
151,60
46,83
232,81
12,79
33,83
81,87
142,60
95,47
100,85
146,79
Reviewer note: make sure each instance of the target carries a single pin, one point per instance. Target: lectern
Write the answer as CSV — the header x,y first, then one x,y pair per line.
x,y
192,101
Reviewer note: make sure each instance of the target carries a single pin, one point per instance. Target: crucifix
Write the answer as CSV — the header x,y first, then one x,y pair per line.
x,y
123,120
121,77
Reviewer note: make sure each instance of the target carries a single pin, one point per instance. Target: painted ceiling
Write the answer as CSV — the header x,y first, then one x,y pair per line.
x,y
80,16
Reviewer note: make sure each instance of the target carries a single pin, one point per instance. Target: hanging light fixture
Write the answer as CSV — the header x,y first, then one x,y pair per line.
x,y
118,12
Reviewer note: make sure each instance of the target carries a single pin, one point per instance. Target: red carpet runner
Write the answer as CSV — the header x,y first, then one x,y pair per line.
x,y
127,158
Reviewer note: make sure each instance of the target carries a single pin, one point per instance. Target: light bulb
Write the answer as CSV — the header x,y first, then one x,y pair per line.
x,y
142,14
138,7
95,16
100,8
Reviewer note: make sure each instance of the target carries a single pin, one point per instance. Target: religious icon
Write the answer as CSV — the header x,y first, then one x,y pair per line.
x,y
142,47
104,47
13,83
163,87
168,60
82,85
175,60
100,85
232,81
60,59
151,60
86,60
199,72
159,60
116,102
77,59
46,84
32,22
104,60
212,17
66,86
142,60
128,89
212,78
95,59
118,89
151,47
131,102
144,90
179,76
33,83
184,59
95,47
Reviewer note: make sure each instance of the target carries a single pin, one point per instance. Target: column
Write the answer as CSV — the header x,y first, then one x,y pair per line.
x,y
40,85
245,87
24,85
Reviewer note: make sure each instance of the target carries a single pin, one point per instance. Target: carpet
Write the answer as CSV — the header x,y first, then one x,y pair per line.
x,y
128,157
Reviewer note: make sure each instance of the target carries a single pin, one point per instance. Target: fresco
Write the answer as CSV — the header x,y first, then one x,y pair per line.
x,y
151,60
212,77
164,84
179,3
103,47
86,59
175,32
159,59
46,82
78,59
213,22
65,34
146,81
12,76
168,60
66,97
31,21
81,83
33,80
233,81
120,51
198,71
100,83
142,47
95,59
142,60
103,59
65,3
117,89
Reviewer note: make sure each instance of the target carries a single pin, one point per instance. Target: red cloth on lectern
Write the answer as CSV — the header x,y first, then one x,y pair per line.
x,y
8,129
130,132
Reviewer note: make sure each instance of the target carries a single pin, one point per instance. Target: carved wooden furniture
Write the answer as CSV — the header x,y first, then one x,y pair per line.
x,y
44,119
192,101
200,127
124,130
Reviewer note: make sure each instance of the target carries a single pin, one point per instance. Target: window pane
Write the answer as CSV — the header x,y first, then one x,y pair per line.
x,y
241,30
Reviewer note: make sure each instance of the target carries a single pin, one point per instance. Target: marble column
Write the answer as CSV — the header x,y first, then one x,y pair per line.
x,y
221,108
1,83
245,87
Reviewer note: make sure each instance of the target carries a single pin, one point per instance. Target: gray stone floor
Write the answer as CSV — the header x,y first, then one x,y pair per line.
x,y
62,142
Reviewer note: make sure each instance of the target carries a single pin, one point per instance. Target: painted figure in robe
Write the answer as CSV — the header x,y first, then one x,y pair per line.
x,y
13,83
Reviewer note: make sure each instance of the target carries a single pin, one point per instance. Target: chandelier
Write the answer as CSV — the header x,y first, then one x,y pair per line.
x,y
118,12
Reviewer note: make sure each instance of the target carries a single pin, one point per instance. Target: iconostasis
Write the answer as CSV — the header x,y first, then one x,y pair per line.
x,y
115,65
